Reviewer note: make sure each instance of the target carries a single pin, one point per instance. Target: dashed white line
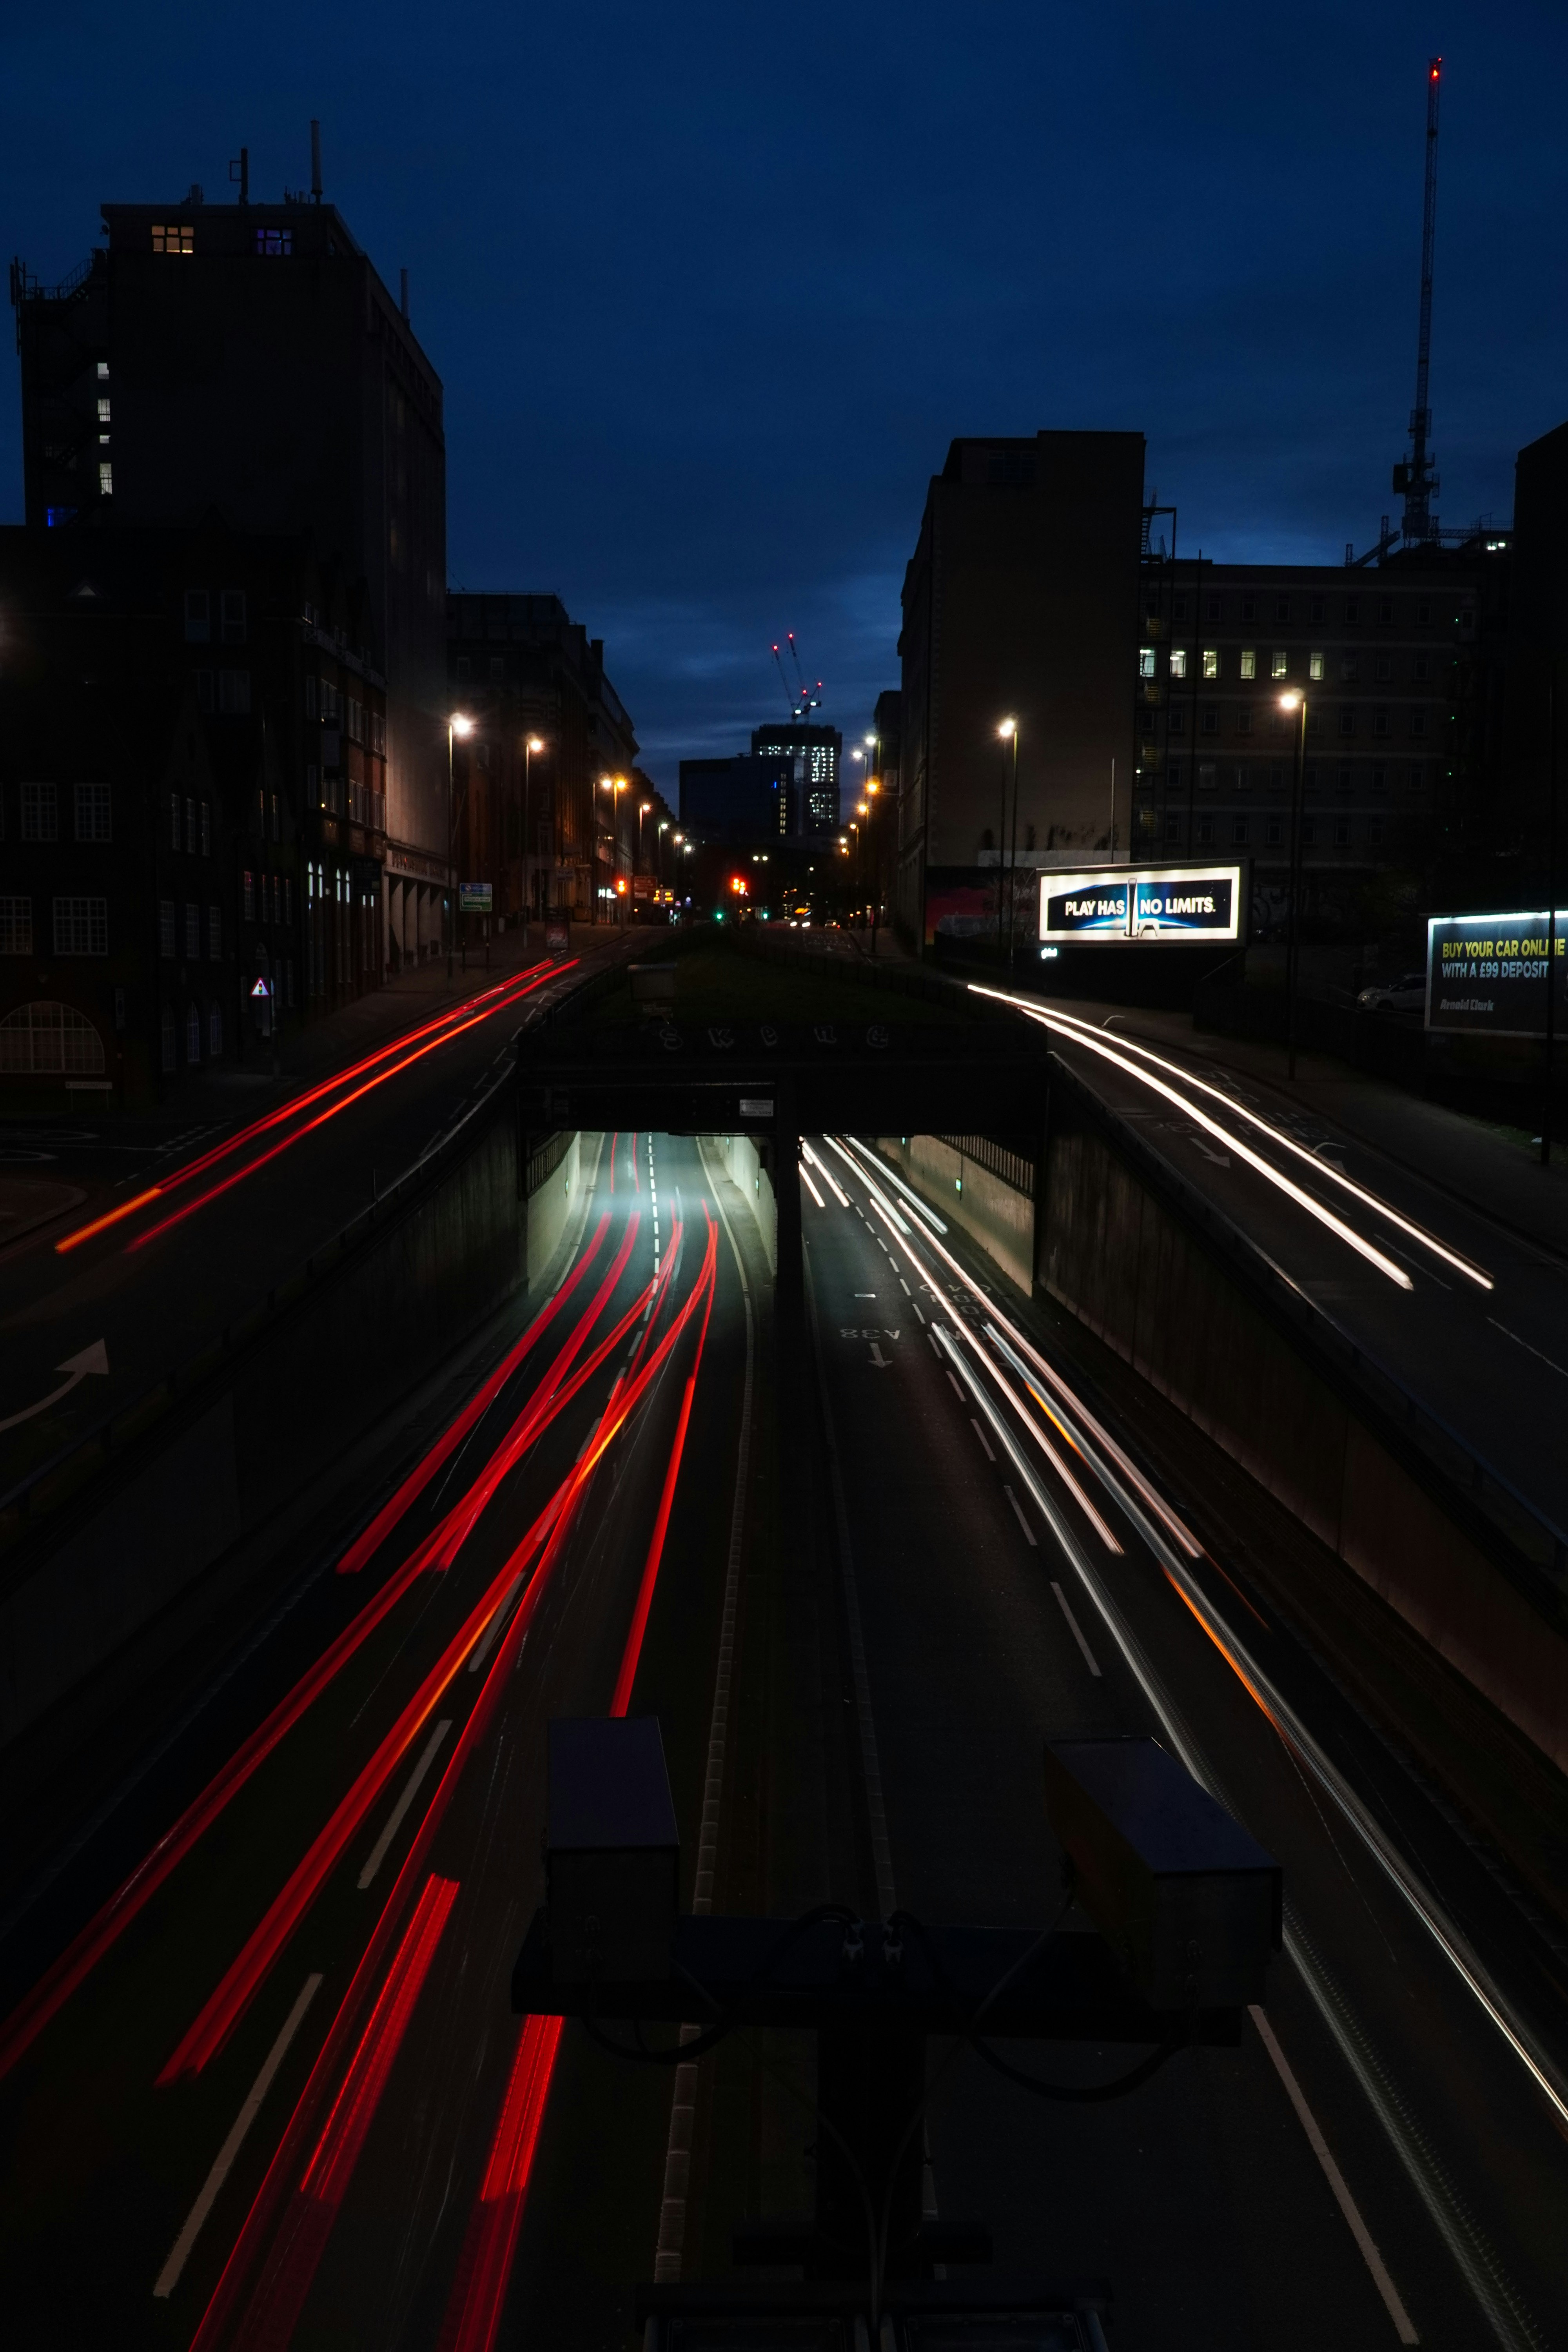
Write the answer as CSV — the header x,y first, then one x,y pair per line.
x,y
1089,1658
957,1391
377,1854
1402,2327
1526,1345
979,1432
1017,1514
169,2276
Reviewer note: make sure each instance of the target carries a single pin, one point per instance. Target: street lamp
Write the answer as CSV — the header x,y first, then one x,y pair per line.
x,y
1008,731
533,743
457,724
1297,703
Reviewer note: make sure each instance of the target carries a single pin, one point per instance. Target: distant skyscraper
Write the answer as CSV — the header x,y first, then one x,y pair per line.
x,y
805,759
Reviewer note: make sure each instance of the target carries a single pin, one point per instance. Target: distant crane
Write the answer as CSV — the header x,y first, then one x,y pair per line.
x,y
804,702
1414,478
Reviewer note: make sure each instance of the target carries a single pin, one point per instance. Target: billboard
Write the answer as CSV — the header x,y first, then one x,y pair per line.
x,y
1486,974
1124,903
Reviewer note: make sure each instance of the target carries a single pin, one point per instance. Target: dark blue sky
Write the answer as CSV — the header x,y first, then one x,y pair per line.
x,y
711,287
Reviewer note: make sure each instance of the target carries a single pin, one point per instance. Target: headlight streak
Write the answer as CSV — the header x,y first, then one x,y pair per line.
x,y
826,1173
1128,1468
1080,1031
805,1180
881,1201
1105,1533
921,1207
1494,2005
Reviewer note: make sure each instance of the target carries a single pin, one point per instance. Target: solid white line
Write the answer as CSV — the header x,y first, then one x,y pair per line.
x,y
1402,2327
394,1820
1077,1631
1017,1514
980,1434
169,2276
1526,1345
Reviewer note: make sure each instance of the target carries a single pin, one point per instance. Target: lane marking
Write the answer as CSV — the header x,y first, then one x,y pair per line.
x,y
169,2276
937,1351
979,1432
1017,1514
491,1634
411,1790
1089,1658
1402,2327
904,1287
1525,1344
957,1391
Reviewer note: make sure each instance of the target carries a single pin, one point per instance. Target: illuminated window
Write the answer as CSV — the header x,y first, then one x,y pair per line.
x,y
174,236
1248,662
1178,661
1211,662
1145,662
105,479
103,371
1315,665
275,240
103,409
1279,666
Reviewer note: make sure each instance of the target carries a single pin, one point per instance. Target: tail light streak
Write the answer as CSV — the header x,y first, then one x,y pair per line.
x,y
513,990
511,2155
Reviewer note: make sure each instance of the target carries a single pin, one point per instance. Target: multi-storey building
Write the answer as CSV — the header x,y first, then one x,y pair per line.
x,y
1020,602
191,759
800,762
247,360
553,828
1399,669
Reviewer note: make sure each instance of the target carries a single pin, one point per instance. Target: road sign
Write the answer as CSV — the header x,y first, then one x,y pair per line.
x,y
473,898
262,988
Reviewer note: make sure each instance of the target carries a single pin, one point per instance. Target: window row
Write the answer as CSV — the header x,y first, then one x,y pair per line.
x,y
1351,718
1337,832
1241,778
224,691
230,614
360,722
1278,604
180,930
80,926
194,1026
266,898
91,809
1208,662
190,825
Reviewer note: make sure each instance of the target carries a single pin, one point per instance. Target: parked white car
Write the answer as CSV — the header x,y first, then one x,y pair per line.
x,y
1405,994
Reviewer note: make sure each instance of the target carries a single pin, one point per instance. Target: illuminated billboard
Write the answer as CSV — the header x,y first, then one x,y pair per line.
x,y
1123,903
1486,974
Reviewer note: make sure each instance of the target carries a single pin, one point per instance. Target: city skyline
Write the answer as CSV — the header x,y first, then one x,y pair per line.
x,y
1217,246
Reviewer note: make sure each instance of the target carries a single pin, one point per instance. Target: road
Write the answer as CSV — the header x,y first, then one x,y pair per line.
x,y
277,1167
279,2081
1466,1314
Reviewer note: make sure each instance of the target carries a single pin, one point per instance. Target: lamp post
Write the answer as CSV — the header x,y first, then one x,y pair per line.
x,y
1551,907
457,724
1298,703
532,744
645,808
1007,730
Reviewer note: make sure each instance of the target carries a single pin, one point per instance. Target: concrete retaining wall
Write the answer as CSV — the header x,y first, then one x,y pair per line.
x,y
991,1213
339,1357
1133,1270
742,1163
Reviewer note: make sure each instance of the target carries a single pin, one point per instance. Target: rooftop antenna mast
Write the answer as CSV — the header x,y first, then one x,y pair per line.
x,y
1413,478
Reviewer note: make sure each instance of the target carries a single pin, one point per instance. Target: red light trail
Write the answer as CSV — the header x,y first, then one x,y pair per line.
x,y
450,1024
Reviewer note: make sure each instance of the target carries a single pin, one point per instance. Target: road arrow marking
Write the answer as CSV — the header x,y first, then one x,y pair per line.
x,y
880,1360
93,1359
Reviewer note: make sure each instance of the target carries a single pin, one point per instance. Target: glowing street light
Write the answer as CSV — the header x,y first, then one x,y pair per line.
x,y
457,723
1007,732
1296,703
532,744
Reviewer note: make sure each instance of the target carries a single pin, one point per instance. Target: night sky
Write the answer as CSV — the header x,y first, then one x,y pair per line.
x,y
711,287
